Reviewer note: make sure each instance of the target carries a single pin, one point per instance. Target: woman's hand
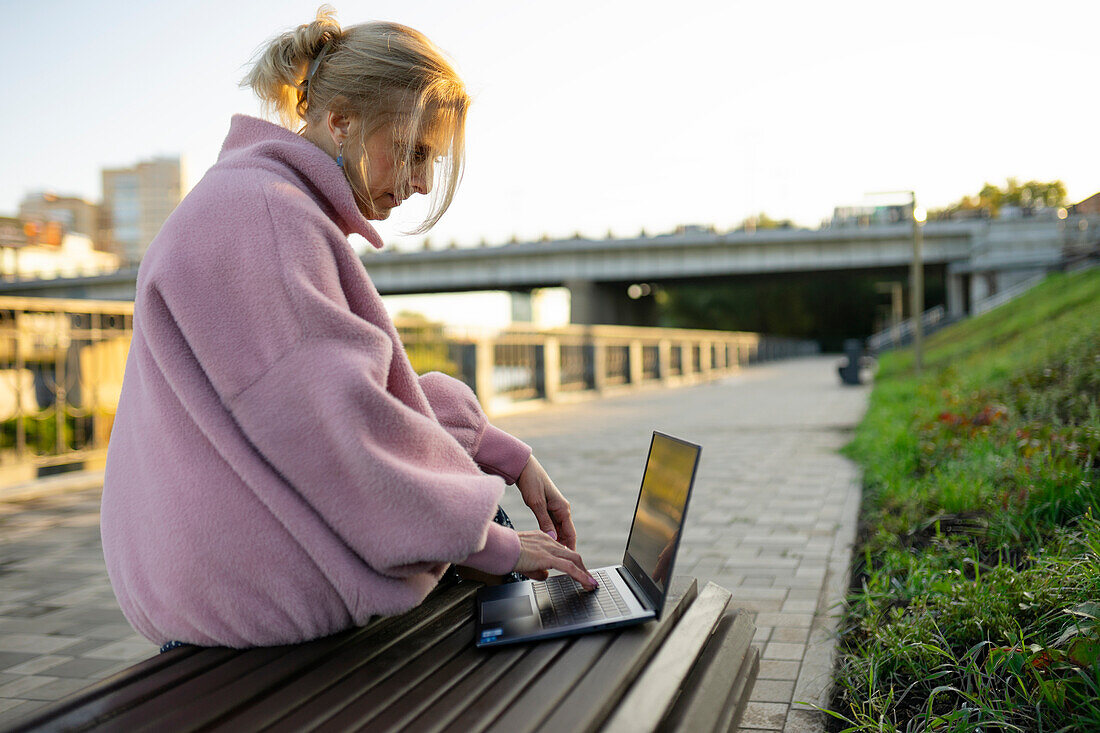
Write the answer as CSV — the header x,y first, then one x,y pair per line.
x,y
538,553
550,508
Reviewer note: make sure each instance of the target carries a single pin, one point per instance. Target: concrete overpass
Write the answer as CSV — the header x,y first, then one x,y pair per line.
x,y
980,258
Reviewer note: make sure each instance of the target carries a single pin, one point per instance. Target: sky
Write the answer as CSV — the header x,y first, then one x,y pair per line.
x,y
598,117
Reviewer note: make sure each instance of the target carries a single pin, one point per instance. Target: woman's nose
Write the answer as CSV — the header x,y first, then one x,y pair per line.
x,y
421,180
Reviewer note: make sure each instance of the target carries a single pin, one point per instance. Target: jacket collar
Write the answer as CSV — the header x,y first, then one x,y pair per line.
x,y
326,182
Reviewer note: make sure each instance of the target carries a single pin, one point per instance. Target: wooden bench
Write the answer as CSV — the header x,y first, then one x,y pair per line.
x,y
691,671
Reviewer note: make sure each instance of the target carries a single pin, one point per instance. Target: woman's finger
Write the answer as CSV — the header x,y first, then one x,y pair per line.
x,y
567,533
574,572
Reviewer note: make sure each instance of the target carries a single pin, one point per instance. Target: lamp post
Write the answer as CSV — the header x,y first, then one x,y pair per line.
x,y
916,274
916,277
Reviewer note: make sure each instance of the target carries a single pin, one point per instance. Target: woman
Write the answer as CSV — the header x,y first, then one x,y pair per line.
x,y
277,471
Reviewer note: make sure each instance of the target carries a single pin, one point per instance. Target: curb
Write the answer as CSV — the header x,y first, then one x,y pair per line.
x,y
52,486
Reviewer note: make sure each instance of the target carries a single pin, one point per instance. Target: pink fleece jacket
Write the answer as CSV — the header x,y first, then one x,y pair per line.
x,y
277,471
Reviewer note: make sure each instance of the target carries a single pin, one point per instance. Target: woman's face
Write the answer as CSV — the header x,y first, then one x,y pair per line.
x,y
385,160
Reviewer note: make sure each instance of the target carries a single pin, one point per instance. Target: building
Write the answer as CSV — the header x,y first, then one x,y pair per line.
x,y
1091,205
71,214
25,254
136,201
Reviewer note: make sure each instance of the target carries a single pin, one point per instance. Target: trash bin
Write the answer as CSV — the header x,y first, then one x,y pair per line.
x,y
849,368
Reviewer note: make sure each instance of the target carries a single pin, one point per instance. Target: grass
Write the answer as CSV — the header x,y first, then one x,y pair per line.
x,y
976,583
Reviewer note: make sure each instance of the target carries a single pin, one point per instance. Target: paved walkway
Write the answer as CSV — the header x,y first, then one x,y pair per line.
x,y
772,517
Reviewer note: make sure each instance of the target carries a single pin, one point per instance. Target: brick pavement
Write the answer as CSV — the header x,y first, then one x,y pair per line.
x,y
772,517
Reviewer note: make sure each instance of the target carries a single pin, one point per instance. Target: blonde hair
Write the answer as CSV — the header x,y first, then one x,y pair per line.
x,y
380,74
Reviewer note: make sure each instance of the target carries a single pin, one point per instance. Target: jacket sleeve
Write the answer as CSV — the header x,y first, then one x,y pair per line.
x,y
458,411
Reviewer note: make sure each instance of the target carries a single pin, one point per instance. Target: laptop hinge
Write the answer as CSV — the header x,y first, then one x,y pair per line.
x,y
635,588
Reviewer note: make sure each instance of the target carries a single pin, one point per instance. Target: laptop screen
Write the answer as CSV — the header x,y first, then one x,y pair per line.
x,y
666,484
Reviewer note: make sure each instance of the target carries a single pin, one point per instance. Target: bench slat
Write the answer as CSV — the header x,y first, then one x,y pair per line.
x,y
480,714
740,692
539,698
179,701
104,700
708,701
655,690
276,692
594,696
418,698
370,703
431,642
468,692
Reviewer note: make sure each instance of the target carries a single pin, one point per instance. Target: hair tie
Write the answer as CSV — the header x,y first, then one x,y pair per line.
x,y
303,88
316,63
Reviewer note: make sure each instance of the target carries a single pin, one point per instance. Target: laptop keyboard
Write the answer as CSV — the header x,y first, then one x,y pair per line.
x,y
563,601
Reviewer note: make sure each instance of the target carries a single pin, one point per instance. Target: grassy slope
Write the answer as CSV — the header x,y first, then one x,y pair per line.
x,y
978,577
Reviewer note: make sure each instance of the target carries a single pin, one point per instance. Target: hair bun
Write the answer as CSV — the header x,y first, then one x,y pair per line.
x,y
278,73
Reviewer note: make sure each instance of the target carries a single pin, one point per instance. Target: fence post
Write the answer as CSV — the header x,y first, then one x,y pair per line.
x,y
664,359
551,368
636,370
483,371
704,357
598,350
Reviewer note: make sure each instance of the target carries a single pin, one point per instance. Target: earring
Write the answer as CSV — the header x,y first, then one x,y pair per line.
x,y
340,155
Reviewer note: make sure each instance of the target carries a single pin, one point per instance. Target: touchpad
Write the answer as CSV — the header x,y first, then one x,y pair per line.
x,y
495,611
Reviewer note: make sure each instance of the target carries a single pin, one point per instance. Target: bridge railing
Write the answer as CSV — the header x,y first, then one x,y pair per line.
x,y
62,365
902,334
511,366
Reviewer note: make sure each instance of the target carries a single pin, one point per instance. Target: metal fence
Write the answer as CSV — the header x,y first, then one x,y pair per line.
x,y
61,367
62,364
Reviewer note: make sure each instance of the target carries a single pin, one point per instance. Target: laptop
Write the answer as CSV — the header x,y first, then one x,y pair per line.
x,y
630,593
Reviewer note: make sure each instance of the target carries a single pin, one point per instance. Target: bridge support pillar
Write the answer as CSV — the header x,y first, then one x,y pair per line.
x,y
593,303
981,286
956,295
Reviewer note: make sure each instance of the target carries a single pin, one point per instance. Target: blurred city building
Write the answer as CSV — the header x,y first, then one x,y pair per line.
x,y
33,250
71,214
136,201
1089,206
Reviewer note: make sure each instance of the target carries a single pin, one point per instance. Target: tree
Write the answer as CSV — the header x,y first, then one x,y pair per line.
x,y
992,198
763,221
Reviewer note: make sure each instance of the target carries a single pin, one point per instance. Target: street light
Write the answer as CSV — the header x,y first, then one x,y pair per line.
x,y
916,275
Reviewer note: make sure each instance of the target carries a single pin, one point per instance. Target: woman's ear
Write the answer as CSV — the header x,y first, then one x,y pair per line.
x,y
338,125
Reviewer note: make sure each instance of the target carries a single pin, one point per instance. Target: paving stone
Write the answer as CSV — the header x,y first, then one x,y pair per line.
x,y
784,650
798,620
10,659
760,594
805,721
772,691
774,669
37,664
755,606
55,690
82,667
799,606
127,649
20,710
764,715
24,684
790,634
34,643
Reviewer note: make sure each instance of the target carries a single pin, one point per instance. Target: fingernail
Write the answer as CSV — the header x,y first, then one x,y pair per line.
x,y
553,534
594,581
